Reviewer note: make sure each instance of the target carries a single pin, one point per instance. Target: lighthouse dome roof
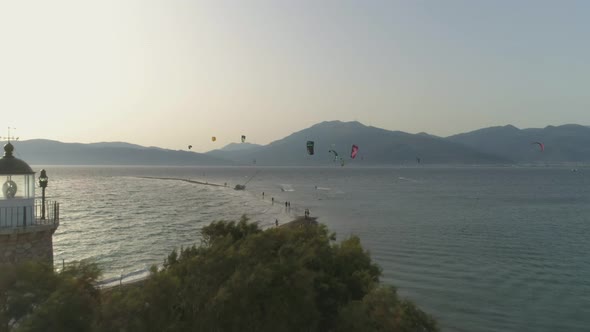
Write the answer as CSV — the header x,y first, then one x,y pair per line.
x,y
9,165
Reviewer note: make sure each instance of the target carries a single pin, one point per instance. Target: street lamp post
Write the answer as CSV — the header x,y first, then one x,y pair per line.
x,y
43,179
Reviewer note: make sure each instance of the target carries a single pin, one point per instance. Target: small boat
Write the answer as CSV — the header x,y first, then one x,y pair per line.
x,y
243,186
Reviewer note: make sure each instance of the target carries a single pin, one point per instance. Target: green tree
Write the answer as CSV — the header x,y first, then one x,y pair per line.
x,y
240,278
382,310
35,298
283,279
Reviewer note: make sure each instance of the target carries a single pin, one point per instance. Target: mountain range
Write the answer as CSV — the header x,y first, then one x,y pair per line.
x,y
567,143
377,147
493,145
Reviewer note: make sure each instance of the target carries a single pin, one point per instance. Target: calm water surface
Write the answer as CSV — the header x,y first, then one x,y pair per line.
x,y
482,249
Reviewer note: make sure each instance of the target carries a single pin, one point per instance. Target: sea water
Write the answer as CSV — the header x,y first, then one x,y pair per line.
x,y
482,249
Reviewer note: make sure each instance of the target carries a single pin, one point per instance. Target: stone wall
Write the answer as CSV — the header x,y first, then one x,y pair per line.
x,y
30,243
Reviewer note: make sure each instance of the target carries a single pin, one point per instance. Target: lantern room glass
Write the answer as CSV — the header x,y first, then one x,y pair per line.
x,y
20,186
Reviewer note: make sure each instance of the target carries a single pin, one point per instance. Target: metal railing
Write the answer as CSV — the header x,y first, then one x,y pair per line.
x,y
29,216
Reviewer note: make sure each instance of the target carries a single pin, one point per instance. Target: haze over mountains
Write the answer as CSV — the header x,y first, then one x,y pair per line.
x,y
567,143
494,145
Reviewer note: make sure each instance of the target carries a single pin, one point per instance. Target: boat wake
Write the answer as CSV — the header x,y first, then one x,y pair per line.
x,y
286,187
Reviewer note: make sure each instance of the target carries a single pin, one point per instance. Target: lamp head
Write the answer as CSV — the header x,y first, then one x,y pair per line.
x,y
43,179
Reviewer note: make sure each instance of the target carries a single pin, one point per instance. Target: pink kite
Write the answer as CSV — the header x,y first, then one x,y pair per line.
x,y
355,150
541,145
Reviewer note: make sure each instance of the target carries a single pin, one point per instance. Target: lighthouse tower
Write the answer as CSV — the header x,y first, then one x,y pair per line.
x,y
27,223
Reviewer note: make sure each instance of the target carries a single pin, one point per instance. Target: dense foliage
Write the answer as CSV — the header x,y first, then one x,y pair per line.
x,y
240,278
35,298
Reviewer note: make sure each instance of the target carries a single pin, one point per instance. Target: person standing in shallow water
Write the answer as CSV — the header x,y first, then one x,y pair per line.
x,y
277,222
272,199
263,195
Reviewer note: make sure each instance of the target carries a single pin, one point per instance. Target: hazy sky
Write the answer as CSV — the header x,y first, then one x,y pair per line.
x,y
171,73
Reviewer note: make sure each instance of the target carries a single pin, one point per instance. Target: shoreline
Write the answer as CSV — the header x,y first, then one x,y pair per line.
x,y
138,277
300,221
277,210
261,223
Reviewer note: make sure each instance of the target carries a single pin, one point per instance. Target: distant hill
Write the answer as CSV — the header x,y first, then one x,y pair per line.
x,y
567,143
116,145
47,152
377,147
239,146
234,148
